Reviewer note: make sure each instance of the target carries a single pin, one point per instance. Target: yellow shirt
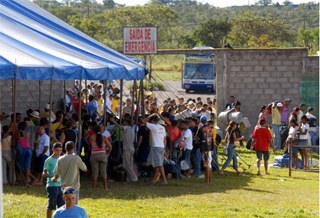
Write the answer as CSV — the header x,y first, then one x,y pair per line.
x,y
276,116
214,135
115,104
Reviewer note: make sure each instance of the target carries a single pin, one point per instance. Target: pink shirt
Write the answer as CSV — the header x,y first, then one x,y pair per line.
x,y
94,147
24,142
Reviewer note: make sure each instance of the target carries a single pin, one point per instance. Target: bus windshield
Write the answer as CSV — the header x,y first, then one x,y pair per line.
x,y
198,71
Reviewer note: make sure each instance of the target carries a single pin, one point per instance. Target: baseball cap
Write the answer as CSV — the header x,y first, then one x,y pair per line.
x,y
279,104
203,119
35,114
287,100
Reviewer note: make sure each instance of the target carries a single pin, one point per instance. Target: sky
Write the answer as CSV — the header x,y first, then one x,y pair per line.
x,y
216,3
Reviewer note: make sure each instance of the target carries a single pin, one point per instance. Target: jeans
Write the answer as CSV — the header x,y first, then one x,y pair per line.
x,y
231,156
7,167
176,158
314,136
25,159
215,163
197,162
276,136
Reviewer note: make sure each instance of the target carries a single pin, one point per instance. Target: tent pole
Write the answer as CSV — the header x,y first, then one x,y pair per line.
x,y
105,108
50,100
133,98
14,124
64,94
78,151
121,99
39,95
142,97
86,84
150,68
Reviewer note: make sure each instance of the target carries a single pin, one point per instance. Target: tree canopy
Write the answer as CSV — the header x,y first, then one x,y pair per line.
x,y
186,23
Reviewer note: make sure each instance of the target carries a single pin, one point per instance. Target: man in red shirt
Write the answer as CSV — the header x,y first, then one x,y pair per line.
x,y
262,138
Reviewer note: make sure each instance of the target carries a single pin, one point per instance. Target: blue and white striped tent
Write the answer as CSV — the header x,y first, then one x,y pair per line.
x,y
35,45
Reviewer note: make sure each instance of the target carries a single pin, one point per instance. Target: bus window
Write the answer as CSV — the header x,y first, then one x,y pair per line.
x,y
198,71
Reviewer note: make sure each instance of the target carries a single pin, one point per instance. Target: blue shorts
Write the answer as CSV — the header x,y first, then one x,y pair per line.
x,y
265,154
25,158
55,199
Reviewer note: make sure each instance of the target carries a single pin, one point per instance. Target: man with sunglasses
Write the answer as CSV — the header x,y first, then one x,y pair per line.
x,y
70,209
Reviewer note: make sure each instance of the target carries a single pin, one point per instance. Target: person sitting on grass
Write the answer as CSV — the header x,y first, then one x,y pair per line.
x,y
70,209
262,139
53,188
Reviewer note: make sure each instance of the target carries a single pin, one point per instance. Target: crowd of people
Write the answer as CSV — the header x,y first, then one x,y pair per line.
x,y
159,140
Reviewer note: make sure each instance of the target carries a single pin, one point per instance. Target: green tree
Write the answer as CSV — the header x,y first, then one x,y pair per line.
x,y
212,33
264,2
254,31
109,4
309,38
89,25
287,3
64,13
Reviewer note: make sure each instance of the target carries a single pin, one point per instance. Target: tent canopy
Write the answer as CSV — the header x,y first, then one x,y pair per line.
x,y
35,45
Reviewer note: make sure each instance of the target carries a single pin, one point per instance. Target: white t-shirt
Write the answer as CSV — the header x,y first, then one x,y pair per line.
x,y
304,127
128,138
106,133
44,141
187,136
158,134
292,132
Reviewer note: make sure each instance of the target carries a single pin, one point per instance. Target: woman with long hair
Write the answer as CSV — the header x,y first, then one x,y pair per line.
x,y
262,114
24,151
100,150
231,138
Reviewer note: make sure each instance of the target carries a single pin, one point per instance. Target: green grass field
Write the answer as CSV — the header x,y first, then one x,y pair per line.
x,y
275,195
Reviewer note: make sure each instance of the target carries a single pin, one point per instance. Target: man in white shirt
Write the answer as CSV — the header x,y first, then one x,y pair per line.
x,y
158,144
42,151
187,140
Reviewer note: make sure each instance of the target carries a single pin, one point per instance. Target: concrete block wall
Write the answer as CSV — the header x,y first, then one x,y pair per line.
x,y
27,94
311,68
258,76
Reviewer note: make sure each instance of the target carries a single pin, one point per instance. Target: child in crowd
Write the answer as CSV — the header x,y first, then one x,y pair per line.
x,y
303,139
293,140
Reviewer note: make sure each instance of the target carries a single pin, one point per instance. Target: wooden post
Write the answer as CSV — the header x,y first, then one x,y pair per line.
x,y
105,108
50,100
150,67
121,99
39,107
86,84
142,97
290,158
133,98
65,99
78,151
